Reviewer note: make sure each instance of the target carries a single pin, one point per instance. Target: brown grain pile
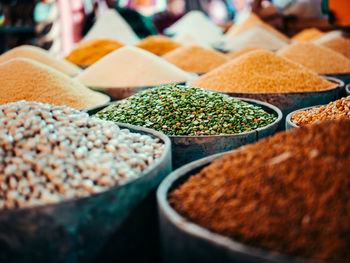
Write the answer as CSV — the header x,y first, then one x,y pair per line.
x,y
252,21
25,79
42,56
318,58
309,34
335,110
339,44
262,71
158,45
288,193
90,51
233,55
195,59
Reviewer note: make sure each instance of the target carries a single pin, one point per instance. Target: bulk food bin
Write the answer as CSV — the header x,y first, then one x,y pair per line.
x,y
189,148
77,229
289,123
291,101
186,242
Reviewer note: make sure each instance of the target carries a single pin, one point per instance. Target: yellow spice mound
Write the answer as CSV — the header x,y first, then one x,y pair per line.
x,y
42,56
318,58
309,34
90,51
262,71
252,21
233,55
339,44
158,45
25,79
195,59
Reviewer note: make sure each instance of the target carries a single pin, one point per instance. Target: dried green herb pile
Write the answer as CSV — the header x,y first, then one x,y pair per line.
x,y
182,110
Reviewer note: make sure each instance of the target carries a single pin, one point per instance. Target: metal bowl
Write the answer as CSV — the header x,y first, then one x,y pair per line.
x,y
187,242
291,101
186,148
290,124
77,229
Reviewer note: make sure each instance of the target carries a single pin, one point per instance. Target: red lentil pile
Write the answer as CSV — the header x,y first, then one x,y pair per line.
x,y
288,193
335,110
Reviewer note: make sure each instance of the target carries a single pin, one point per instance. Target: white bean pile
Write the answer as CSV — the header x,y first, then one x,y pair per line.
x,y
50,153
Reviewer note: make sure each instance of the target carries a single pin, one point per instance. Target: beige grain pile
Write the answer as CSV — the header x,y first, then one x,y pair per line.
x,y
158,45
308,34
339,44
252,21
196,59
42,56
25,79
318,58
132,67
262,71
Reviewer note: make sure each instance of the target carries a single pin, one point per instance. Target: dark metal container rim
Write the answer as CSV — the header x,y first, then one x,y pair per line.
x,y
347,89
196,230
167,150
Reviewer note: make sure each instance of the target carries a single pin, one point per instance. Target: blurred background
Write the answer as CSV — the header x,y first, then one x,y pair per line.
x,y
57,25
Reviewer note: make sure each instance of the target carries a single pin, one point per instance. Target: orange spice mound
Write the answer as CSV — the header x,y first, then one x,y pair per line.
x,y
158,45
26,79
339,44
309,34
262,71
251,21
90,51
233,55
195,59
318,58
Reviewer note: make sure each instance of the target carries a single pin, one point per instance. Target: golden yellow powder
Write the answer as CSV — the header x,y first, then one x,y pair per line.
x,y
26,79
309,34
195,59
90,51
339,44
158,45
42,56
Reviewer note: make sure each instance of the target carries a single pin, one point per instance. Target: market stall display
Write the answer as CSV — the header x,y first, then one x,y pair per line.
x,y
42,56
26,79
68,173
196,59
238,206
317,58
158,45
199,122
235,54
129,69
90,51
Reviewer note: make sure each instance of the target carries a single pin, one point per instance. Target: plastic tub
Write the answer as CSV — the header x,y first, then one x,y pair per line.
x,y
186,242
76,230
